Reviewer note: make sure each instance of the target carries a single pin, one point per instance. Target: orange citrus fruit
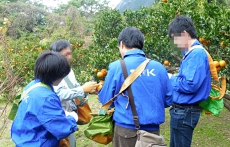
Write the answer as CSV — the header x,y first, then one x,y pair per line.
x,y
104,71
98,87
165,1
100,74
206,43
202,40
222,44
166,63
96,70
218,68
216,63
101,82
222,63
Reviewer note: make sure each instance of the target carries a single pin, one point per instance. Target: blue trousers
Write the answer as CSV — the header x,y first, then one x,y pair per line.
x,y
182,123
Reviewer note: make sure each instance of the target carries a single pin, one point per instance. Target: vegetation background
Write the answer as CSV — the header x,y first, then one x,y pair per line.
x,y
91,26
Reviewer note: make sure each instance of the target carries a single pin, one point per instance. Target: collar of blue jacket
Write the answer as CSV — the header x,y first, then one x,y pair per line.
x,y
186,50
134,52
50,85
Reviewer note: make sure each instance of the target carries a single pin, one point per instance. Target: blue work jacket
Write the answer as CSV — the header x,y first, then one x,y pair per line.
x,y
152,92
193,82
40,120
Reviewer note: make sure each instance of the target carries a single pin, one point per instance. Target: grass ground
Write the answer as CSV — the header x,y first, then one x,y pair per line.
x,y
210,132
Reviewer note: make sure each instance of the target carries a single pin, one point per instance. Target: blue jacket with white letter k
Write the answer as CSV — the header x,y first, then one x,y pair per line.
x,y
151,90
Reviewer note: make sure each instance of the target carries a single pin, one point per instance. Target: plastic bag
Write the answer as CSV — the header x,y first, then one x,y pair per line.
x,y
100,129
214,106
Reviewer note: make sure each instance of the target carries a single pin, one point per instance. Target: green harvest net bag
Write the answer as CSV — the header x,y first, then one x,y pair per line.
x,y
100,129
215,103
212,106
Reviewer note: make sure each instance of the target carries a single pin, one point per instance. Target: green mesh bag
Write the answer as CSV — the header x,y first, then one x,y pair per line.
x,y
212,106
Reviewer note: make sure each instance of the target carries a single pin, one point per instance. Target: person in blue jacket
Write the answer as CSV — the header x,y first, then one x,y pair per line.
x,y
40,120
151,90
191,85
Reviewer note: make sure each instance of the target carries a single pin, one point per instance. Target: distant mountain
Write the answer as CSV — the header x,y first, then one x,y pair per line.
x,y
133,4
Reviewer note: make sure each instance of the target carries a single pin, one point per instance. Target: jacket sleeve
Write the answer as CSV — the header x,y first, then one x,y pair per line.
x,y
69,94
192,74
168,90
108,89
168,94
65,93
53,118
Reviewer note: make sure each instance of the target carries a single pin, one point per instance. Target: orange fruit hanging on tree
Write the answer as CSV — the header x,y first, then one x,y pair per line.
x,y
222,63
202,40
222,44
104,71
218,68
101,82
216,63
100,75
98,87
95,70
166,63
206,43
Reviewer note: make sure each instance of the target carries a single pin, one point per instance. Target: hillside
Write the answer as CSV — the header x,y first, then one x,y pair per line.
x,y
133,4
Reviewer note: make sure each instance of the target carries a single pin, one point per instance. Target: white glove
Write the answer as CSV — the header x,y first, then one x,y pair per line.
x,y
73,114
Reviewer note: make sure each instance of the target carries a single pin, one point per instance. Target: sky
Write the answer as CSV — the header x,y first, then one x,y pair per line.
x,y
54,3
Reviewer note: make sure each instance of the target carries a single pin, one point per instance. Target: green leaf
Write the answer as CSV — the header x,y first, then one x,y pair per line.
x,y
14,108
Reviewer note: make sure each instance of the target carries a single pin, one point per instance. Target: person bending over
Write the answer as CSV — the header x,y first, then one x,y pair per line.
x,y
40,120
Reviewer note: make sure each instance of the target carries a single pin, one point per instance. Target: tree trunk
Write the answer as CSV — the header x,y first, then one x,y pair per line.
x,y
227,96
226,104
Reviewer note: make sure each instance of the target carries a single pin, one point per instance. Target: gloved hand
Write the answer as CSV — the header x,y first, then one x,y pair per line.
x,y
89,87
73,114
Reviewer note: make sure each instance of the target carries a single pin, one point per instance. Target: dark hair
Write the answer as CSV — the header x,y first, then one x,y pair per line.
x,y
59,45
51,66
182,23
131,37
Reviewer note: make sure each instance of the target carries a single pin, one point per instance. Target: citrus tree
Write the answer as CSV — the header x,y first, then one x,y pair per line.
x,y
211,21
32,29
8,77
105,46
